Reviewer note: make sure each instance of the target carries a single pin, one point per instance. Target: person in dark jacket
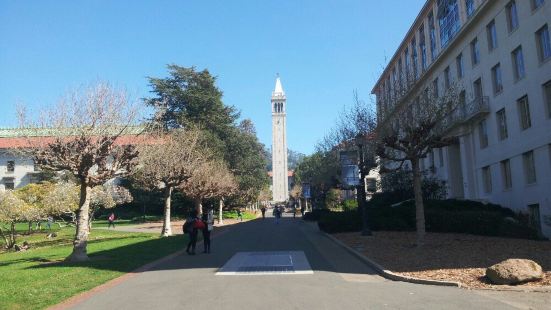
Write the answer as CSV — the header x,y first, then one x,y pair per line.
x,y
192,234
208,220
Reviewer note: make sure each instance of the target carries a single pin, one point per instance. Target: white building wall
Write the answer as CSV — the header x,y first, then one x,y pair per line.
x,y
21,175
537,138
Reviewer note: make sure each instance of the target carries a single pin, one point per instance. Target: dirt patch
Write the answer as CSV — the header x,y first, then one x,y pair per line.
x,y
450,257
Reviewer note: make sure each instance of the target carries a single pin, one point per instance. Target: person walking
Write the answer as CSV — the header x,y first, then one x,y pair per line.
x,y
111,220
277,213
208,220
263,210
191,227
239,215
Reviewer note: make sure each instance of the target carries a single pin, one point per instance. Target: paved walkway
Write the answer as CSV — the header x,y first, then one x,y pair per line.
x,y
340,281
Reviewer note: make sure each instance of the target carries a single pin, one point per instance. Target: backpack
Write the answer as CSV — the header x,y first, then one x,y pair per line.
x,y
188,226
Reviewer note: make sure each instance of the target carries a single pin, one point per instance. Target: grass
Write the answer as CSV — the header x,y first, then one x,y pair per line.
x,y
233,215
38,278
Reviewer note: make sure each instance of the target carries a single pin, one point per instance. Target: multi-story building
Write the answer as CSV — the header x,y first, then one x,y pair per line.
x,y
498,52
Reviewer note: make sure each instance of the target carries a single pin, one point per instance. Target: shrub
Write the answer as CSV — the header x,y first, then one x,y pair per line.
x,y
315,214
336,222
446,216
350,205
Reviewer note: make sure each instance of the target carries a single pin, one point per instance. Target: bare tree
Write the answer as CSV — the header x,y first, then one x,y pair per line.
x,y
85,134
212,179
169,161
411,124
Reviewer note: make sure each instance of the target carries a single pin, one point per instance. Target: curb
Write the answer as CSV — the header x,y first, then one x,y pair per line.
x,y
387,273
396,277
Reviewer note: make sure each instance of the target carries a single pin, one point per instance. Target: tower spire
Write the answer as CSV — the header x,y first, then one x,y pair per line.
x,y
278,88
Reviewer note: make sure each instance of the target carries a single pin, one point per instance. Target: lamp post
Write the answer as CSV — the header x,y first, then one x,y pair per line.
x,y
361,195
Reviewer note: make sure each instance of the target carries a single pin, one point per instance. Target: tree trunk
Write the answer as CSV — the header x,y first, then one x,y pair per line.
x,y
81,237
30,227
419,207
220,212
198,206
167,227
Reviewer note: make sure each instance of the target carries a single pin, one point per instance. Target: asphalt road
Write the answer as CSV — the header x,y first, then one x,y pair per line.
x,y
340,281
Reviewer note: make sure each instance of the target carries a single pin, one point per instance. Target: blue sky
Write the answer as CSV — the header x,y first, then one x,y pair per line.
x,y
322,49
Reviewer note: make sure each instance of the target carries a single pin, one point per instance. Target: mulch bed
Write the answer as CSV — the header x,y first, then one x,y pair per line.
x,y
449,257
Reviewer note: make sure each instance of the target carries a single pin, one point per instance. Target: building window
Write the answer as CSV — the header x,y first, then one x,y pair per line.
x,y
406,59
469,7
487,179
483,134
459,64
9,184
431,160
496,79
518,63
432,37
475,52
524,113
477,89
534,217
529,167
400,73
441,157
512,16
448,19
547,97
447,78
10,166
492,35
371,185
536,4
414,58
506,174
544,43
501,118
435,88
423,48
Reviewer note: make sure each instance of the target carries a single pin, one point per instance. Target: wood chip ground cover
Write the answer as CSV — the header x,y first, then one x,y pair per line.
x,y
450,257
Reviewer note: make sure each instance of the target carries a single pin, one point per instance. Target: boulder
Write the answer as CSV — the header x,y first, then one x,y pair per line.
x,y
514,271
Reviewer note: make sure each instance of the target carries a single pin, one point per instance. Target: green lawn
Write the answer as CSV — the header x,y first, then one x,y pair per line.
x,y
38,278
233,215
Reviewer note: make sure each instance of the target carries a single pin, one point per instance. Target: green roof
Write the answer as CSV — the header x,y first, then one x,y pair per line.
x,y
47,132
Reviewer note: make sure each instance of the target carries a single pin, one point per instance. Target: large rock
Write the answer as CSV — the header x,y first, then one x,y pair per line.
x,y
513,271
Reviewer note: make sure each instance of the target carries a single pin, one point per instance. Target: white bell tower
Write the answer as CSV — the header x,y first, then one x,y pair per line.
x,y
280,187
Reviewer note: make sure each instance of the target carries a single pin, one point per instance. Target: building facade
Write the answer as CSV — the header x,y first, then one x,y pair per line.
x,y
498,52
280,188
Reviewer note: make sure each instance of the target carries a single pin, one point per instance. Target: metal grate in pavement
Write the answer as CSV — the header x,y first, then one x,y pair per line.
x,y
267,263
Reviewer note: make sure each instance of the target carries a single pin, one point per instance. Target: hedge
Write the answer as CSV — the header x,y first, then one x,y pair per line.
x,y
446,216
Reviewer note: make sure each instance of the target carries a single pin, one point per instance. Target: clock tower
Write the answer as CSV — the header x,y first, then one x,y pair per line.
x,y
280,187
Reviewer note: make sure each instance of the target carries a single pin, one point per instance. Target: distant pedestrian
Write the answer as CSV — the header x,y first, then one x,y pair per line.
x,y
263,210
302,209
208,220
294,211
277,212
111,220
239,215
50,222
191,227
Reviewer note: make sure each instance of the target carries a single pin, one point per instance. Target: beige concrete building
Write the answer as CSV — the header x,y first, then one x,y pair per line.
x,y
499,53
